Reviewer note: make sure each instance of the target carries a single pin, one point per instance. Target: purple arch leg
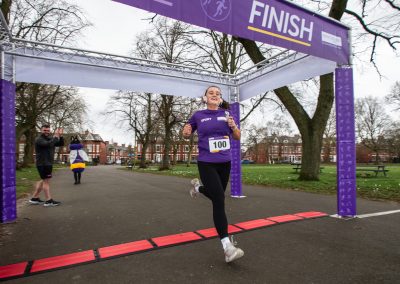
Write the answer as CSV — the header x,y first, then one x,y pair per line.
x,y
236,169
345,143
8,208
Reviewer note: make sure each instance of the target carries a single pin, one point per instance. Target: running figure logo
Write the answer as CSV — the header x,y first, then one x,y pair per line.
x,y
217,10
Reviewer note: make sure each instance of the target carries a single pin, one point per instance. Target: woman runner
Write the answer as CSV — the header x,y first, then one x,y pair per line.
x,y
215,127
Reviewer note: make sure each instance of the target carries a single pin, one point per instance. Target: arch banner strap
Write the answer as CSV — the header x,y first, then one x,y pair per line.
x,y
274,22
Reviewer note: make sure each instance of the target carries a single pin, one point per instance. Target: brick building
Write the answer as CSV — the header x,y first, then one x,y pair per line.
x,y
118,154
155,151
284,149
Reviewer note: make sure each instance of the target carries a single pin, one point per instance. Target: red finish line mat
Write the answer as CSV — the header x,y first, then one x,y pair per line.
x,y
259,223
176,239
62,260
285,218
28,268
127,248
311,214
12,270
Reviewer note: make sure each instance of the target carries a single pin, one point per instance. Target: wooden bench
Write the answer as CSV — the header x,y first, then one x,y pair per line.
x,y
298,167
376,171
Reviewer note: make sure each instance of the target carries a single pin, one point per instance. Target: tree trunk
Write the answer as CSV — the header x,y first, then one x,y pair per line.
x,y
5,8
175,153
377,157
20,130
29,146
191,142
142,164
327,151
166,108
166,164
311,158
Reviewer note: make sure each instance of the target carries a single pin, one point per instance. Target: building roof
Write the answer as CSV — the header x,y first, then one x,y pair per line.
x,y
88,136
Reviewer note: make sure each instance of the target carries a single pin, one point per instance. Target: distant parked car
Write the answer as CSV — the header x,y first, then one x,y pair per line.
x,y
246,162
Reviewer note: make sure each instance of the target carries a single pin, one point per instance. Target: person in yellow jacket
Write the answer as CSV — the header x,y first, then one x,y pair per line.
x,y
77,158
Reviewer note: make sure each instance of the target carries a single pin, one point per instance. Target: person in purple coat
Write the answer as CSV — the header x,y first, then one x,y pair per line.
x,y
215,128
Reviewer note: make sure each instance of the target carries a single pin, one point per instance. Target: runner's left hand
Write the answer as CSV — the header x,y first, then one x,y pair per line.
x,y
231,122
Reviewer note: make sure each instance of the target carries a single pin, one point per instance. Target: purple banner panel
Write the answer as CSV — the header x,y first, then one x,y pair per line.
x,y
275,22
8,208
345,152
236,167
345,146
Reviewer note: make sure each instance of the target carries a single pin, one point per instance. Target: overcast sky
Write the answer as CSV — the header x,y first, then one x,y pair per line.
x,y
115,26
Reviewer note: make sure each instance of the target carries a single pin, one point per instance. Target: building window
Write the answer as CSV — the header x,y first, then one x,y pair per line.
x,y
186,148
158,148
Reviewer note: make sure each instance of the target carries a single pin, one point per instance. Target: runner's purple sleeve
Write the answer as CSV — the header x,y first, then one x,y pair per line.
x,y
193,123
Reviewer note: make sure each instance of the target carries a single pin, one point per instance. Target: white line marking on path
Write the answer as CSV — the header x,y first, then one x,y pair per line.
x,y
378,214
164,2
365,215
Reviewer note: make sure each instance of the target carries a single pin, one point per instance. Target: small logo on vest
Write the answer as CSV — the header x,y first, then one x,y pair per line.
x,y
217,10
205,119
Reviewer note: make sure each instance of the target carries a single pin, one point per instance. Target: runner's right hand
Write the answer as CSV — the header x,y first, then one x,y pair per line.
x,y
187,130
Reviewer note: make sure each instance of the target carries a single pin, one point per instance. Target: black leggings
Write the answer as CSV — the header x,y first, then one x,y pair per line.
x,y
214,177
77,176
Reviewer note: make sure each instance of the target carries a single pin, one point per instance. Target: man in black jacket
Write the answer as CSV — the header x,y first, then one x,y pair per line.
x,y
44,148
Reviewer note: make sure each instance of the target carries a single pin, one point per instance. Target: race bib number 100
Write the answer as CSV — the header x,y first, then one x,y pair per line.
x,y
218,144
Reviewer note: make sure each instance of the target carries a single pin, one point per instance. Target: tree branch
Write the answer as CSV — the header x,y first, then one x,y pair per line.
x,y
376,34
391,3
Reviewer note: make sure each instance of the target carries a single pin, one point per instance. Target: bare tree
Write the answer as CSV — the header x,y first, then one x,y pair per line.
x,y
392,137
184,111
137,110
166,41
311,128
41,103
255,136
372,123
217,51
52,21
329,137
69,112
57,22
279,126
393,97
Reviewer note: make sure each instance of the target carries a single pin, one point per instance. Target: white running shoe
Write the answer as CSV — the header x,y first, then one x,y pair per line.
x,y
232,253
195,183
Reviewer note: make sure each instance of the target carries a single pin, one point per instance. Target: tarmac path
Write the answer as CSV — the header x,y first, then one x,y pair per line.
x,y
114,206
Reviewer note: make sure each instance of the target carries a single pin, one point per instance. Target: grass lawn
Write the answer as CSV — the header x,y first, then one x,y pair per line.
x,y
283,176
26,179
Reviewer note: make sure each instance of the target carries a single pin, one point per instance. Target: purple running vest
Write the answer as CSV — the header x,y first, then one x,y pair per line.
x,y
211,124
